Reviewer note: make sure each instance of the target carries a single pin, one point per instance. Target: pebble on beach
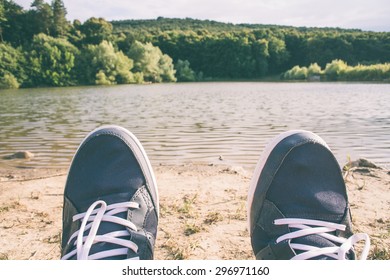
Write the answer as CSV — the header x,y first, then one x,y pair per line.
x,y
20,155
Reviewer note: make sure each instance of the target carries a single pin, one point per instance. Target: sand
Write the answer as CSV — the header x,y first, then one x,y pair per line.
x,y
202,215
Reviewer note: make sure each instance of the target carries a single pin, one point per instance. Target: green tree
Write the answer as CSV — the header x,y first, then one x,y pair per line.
x,y
96,30
314,70
184,72
51,61
152,63
374,72
16,25
102,64
334,69
278,54
2,16
12,63
167,70
261,54
296,45
296,73
2,20
60,24
41,17
8,81
74,34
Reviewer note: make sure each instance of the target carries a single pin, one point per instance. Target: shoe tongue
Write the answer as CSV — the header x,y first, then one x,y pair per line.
x,y
107,227
145,251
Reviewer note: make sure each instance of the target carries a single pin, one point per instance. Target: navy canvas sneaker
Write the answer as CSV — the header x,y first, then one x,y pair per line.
x,y
110,200
297,202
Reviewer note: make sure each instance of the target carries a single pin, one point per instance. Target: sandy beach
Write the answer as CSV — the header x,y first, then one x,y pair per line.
x,y
202,211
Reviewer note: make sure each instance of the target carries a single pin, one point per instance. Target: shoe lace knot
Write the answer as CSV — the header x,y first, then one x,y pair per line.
x,y
305,227
86,236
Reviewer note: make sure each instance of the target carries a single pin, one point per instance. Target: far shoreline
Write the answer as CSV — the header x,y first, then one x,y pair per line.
x,y
270,79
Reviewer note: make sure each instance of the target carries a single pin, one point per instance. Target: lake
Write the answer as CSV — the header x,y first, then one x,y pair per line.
x,y
197,122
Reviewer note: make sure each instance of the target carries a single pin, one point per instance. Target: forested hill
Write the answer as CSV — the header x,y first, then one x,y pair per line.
x,y
39,46
186,24
248,51
189,24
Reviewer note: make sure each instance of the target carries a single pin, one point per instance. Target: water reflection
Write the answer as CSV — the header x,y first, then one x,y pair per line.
x,y
197,122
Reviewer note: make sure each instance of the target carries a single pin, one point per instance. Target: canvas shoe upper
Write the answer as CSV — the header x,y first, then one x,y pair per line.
x,y
110,200
297,202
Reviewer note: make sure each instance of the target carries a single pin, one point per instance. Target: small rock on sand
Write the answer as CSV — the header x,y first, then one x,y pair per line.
x,y
361,162
20,155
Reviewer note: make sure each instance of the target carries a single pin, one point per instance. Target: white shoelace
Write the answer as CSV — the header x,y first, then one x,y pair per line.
x,y
305,227
91,219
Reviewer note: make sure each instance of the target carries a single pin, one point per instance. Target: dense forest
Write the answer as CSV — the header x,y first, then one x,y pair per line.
x,y
40,47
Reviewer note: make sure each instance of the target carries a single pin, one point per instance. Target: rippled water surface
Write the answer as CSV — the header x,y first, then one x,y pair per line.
x,y
199,122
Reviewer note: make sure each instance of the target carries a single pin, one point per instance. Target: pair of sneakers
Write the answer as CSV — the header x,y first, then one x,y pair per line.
x,y
297,201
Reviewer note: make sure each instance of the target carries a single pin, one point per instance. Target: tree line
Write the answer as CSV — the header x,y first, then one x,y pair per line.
x,y
339,70
40,47
251,51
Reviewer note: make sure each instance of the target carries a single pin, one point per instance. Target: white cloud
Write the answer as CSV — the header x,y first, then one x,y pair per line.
x,y
364,14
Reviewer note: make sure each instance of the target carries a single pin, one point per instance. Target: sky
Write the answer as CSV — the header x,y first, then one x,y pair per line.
x,y
373,15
